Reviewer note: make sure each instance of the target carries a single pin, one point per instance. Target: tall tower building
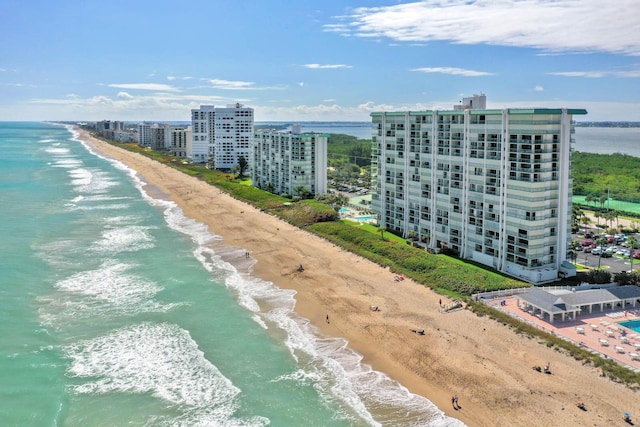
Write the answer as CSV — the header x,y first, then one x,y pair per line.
x,y
493,186
220,135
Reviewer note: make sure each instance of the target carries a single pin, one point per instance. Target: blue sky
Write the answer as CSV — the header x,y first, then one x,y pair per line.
x,y
294,60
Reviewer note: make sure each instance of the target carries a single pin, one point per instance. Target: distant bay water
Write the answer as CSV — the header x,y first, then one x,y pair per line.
x,y
117,310
608,140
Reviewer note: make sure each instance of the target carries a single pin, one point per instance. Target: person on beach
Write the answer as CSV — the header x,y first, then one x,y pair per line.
x,y
455,401
327,318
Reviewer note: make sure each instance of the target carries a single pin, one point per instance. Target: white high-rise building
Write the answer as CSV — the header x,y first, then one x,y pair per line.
x,y
493,186
177,140
220,135
282,162
145,138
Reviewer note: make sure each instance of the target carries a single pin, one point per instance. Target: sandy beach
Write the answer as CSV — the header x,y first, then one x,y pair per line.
x,y
483,362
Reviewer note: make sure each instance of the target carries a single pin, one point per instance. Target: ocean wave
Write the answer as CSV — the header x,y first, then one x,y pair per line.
x,y
108,291
129,238
163,360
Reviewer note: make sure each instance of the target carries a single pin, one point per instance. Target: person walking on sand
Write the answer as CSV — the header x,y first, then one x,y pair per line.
x,y
455,402
327,318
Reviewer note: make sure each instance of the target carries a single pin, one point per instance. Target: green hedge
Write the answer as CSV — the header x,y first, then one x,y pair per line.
x,y
439,272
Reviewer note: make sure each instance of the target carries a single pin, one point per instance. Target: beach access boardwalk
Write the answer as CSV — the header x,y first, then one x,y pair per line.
x,y
599,332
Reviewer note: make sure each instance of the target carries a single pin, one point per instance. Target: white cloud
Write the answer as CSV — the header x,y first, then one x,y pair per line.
x,y
2,70
143,86
538,89
598,74
453,71
230,85
301,84
238,85
124,95
179,78
552,25
326,66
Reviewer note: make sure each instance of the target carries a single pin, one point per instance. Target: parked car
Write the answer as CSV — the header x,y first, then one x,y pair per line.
x,y
606,254
597,251
636,255
587,243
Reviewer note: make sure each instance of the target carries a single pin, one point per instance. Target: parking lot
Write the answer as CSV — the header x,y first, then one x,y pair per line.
x,y
612,262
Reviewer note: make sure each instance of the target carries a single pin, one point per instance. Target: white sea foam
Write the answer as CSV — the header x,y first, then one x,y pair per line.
x,y
124,239
87,180
67,163
111,282
56,149
161,360
107,291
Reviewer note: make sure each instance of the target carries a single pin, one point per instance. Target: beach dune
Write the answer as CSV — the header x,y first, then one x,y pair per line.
x,y
484,363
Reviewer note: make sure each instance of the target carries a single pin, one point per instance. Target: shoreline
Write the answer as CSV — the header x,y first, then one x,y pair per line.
x,y
486,364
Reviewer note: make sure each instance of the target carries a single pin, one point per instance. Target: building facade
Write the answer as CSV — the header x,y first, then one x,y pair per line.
x,y
220,135
145,137
282,162
178,139
493,186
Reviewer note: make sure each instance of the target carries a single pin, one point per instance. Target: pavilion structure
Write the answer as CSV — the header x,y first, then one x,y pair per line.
x,y
567,303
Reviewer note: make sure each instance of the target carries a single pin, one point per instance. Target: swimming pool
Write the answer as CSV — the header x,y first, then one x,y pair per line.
x,y
634,325
364,218
344,210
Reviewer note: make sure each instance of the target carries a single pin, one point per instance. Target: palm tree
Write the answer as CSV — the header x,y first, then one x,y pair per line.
x,y
598,215
382,229
588,199
302,191
602,200
585,220
270,187
243,164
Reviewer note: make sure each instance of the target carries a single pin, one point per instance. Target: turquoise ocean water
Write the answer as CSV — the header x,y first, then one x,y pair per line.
x,y
117,310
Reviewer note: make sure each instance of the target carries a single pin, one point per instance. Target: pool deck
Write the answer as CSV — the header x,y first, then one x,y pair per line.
x,y
589,331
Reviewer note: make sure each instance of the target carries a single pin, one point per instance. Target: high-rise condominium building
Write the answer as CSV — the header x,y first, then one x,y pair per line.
x,y
178,138
220,135
493,186
283,162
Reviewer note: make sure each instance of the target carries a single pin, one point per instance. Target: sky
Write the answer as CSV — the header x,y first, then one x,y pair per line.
x,y
305,60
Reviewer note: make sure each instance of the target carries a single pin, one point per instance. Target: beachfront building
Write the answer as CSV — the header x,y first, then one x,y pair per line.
x,y
490,185
220,135
178,138
145,137
285,162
